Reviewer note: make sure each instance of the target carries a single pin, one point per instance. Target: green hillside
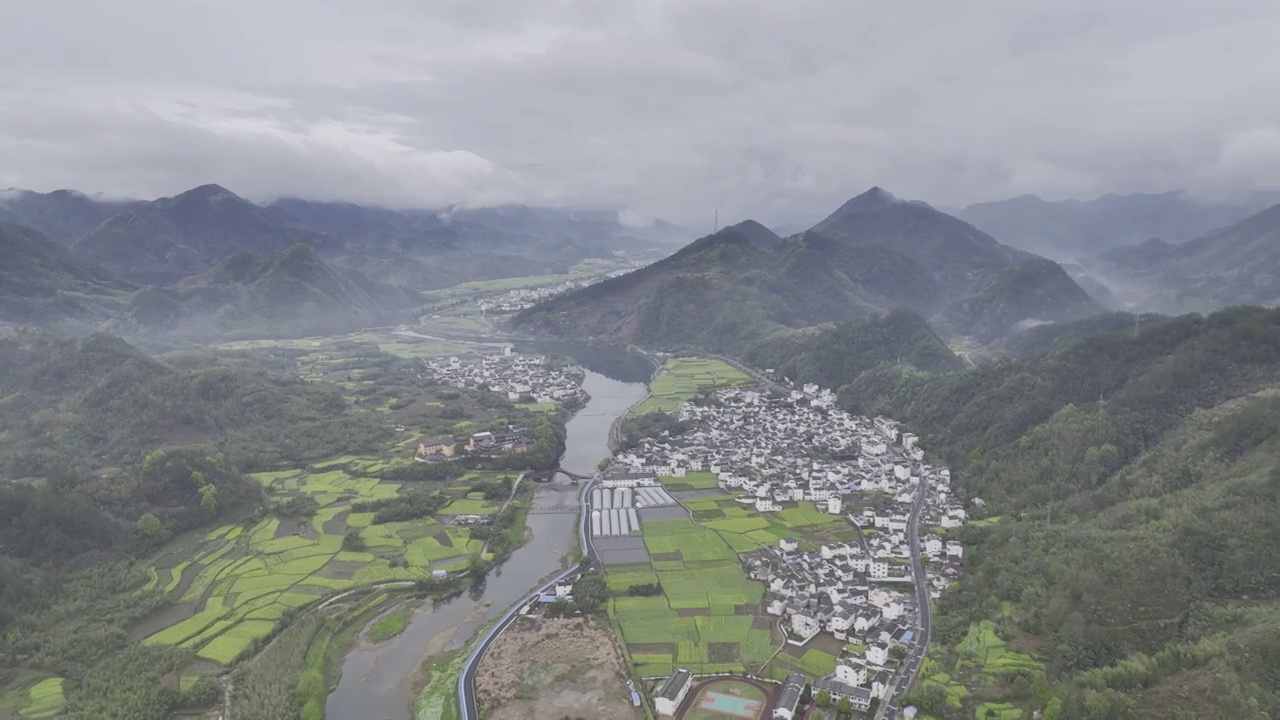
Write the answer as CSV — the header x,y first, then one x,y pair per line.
x,y
41,282
726,291
831,355
1135,548
293,293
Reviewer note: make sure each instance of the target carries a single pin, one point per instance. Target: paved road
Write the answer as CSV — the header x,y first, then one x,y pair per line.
x,y
467,679
890,709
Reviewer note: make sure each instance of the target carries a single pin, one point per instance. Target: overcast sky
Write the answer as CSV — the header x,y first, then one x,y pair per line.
x,y
765,108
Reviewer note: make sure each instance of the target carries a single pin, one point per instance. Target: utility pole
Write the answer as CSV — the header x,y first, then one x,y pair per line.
x,y
1137,323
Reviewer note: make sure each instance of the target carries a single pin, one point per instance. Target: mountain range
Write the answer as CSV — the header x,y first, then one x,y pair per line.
x,y
207,260
874,253
1235,265
295,290
1076,229
162,241
42,282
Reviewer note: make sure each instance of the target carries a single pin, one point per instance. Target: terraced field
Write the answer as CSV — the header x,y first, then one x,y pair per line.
x,y
41,699
240,580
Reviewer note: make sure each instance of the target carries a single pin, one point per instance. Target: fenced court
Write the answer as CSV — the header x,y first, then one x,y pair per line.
x,y
730,698
729,705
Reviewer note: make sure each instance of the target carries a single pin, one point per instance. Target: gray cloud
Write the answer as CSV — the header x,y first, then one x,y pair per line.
x,y
660,107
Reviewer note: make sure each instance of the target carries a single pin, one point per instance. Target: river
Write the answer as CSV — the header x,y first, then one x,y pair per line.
x,y
377,681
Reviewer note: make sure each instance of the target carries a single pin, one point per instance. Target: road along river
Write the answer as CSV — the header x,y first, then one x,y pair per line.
x,y
377,681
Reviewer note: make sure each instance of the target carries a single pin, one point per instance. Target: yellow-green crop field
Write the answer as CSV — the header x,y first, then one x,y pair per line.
x,y
44,699
242,579
680,380
707,616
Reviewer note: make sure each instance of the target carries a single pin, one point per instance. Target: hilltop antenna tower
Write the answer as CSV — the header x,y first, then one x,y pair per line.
x,y
1137,323
716,224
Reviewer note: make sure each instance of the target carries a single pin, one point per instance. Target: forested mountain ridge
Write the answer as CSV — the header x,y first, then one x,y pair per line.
x,y
759,235
1138,480
425,249
42,282
1235,265
99,402
1038,289
961,258
293,293
63,216
160,242
875,253
831,355
168,239
1042,338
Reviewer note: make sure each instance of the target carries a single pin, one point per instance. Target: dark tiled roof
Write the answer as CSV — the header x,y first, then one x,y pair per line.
x,y
675,684
789,698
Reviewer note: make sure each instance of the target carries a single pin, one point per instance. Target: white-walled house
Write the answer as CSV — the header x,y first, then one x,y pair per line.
x,y
877,654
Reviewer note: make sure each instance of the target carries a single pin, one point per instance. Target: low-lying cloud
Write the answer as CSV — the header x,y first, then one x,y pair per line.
x,y
662,108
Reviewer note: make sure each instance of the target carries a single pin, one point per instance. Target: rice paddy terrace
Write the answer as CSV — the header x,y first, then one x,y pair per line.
x,y
233,585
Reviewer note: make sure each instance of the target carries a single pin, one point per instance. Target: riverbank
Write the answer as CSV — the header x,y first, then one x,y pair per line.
x,y
405,677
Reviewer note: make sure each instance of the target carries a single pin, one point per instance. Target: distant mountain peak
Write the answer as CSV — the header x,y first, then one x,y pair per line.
x,y
877,198
757,234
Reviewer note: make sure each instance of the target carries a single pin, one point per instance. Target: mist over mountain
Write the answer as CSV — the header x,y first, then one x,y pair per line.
x,y
165,240
295,292
161,242
1037,291
874,253
1073,229
960,257
1235,265
42,282
63,216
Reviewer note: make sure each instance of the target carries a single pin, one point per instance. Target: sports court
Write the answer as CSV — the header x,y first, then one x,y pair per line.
x,y
729,704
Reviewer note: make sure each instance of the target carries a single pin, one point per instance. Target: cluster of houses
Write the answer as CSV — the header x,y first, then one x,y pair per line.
x,y
513,374
514,301
516,439
773,448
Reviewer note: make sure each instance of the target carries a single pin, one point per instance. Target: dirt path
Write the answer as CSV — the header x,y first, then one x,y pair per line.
x,y
514,487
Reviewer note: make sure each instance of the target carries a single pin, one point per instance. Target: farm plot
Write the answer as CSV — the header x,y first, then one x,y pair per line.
x,y
691,481
43,700
681,379
691,542
805,514
704,618
241,580
813,662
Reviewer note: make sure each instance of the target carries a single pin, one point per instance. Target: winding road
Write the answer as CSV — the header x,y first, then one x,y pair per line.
x,y
467,678
889,709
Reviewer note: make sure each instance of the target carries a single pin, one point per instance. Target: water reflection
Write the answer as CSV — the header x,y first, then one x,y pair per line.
x,y
377,681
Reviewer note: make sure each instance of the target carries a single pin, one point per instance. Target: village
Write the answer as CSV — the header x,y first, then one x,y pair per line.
x,y
513,301
774,448
521,377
